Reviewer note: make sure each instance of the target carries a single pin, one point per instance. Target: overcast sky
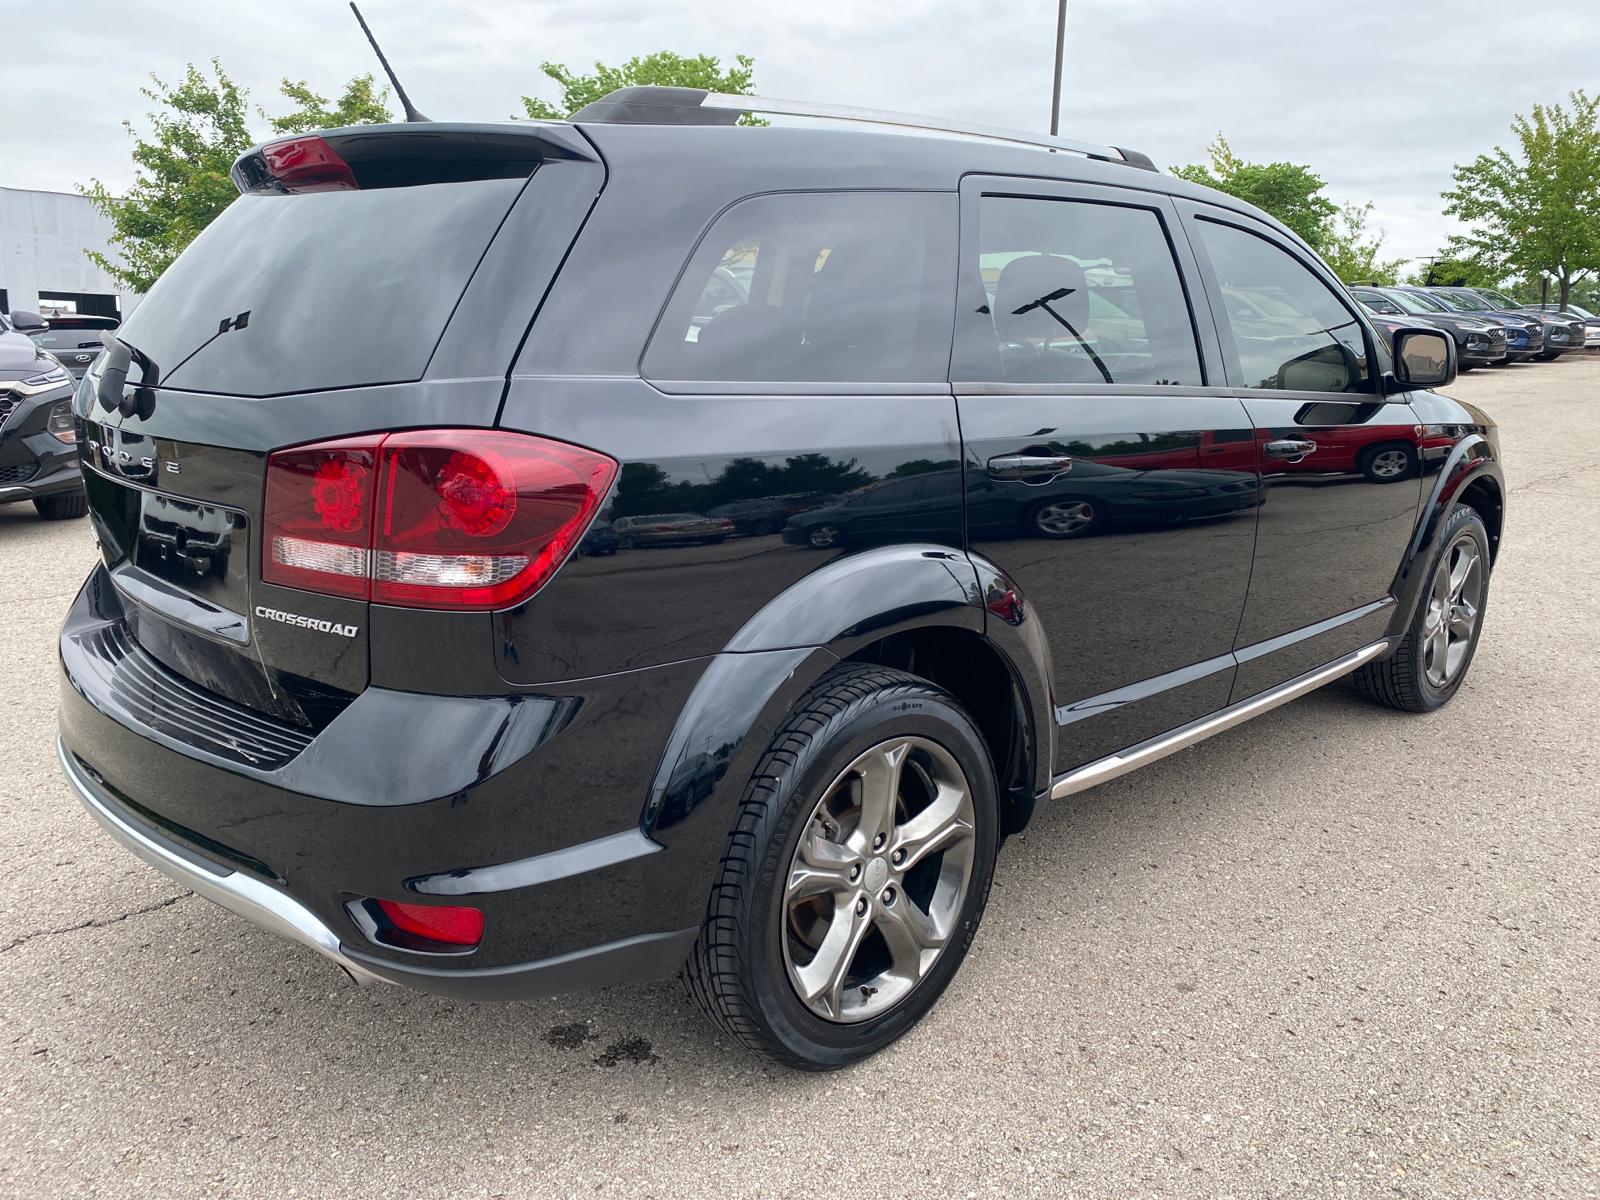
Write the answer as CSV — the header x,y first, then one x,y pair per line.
x,y
1379,97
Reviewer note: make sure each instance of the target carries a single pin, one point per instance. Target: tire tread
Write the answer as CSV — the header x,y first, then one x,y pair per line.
x,y
716,971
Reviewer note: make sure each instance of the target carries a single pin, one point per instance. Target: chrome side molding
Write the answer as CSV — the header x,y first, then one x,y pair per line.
x,y
1181,738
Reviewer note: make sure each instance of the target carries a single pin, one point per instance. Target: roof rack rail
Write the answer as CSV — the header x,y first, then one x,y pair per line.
x,y
696,106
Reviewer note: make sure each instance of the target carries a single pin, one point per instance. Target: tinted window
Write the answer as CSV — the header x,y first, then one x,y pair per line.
x,y
1463,302
1500,298
1289,329
1412,302
342,288
815,287
57,338
1378,302
1075,292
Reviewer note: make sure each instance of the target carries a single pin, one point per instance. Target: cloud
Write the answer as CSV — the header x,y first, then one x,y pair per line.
x,y
1380,99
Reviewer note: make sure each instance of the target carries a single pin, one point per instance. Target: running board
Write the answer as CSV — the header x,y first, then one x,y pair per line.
x,y
1184,736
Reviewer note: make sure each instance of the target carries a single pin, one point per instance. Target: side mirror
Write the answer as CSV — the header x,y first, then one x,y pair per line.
x,y
1424,358
28,322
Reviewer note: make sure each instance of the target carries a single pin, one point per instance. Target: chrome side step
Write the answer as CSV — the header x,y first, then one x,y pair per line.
x,y
1103,769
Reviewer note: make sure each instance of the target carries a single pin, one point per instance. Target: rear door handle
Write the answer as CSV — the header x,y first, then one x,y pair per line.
x,y
1292,449
1033,468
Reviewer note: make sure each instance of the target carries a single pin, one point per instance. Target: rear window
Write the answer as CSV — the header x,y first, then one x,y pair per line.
x,y
815,287
74,336
342,288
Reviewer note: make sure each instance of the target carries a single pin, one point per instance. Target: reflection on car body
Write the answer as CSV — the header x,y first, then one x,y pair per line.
x,y
670,529
1093,497
768,514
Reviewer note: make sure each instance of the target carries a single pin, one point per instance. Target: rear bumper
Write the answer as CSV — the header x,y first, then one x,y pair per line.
x,y
526,807
649,956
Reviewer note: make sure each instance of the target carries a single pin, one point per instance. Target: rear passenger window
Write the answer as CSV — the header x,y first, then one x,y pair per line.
x,y
1076,292
1289,329
815,287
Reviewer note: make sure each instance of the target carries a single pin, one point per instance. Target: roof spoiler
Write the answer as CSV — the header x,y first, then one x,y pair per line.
x,y
364,157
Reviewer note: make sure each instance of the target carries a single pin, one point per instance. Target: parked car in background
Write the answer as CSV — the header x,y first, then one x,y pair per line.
x,y
1524,331
1563,332
398,721
75,339
670,529
1557,335
38,455
1591,321
1478,342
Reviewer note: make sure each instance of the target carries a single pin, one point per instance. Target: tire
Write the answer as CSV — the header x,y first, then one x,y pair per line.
x,y
823,537
63,508
1409,679
1388,463
1063,517
757,947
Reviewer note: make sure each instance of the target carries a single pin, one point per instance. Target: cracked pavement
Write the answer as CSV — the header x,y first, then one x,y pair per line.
x,y
1337,951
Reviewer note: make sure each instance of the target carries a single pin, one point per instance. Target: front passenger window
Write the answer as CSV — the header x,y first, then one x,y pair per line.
x,y
1289,329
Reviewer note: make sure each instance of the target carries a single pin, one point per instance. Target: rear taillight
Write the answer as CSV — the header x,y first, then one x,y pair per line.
x,y
448,519
317,517
307,164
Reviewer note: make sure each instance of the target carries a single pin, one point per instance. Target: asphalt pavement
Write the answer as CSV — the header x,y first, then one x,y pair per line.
x,y
1337,952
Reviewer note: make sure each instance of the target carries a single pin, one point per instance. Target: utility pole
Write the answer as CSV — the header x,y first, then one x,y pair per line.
x,y
1055,84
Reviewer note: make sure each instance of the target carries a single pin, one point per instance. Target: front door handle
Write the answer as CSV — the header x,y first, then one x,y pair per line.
x,y
1292,449
1032,468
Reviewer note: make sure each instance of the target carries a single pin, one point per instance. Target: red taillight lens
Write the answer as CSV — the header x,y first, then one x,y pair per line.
x,y
317,518
451,924
451,519
308,164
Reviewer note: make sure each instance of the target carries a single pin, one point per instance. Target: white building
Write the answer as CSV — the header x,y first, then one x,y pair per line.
x,y
43,267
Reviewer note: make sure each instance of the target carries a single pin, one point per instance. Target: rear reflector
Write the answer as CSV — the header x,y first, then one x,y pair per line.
x,y
451,924
444,519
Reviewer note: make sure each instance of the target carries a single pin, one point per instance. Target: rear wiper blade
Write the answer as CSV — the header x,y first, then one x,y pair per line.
x,y
120,355
112,386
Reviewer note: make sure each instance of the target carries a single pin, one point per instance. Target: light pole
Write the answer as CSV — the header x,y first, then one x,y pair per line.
x,y
1055,80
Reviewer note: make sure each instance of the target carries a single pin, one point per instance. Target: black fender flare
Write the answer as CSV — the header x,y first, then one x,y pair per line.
x,y
748,690
1470,460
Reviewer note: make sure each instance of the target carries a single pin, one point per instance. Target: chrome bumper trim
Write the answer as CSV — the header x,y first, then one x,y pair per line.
x,y
257,902
1103,769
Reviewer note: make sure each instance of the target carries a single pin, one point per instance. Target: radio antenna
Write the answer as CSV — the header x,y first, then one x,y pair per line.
x,y
405,101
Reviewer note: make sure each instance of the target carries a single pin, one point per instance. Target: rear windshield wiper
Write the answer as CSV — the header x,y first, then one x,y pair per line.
x,y
112,386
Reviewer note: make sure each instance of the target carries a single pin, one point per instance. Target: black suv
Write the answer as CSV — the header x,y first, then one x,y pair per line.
x,y
38,458
1111,463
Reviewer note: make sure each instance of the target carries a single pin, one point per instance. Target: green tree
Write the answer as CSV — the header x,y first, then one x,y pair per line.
x,y
1353,253
361,104
181,177
181,183
662,69
1536,209
1289,191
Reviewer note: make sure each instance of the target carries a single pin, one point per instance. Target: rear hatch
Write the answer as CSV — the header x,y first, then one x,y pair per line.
x,y
367,280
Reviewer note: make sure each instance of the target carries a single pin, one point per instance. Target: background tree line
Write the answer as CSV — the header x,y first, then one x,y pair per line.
x,y
1532,211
